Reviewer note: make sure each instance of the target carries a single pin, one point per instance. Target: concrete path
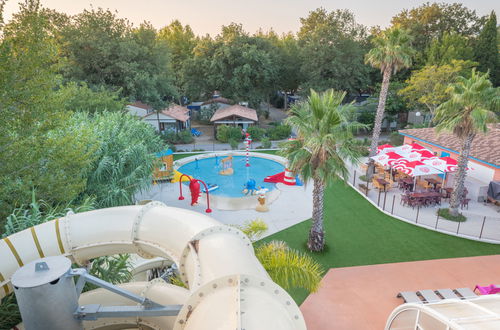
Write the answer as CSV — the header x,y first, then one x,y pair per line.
x,y
294,205
363,297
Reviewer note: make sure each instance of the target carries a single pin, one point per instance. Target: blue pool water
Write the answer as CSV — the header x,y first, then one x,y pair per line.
x,y
231,186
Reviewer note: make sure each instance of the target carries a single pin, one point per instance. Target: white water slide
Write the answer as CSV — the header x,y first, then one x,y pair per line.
x,y
228,287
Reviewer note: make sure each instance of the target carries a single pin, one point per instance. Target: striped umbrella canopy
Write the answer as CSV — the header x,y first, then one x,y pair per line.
x,y
416,168
382,149
387,158
408,148
425,154
445,164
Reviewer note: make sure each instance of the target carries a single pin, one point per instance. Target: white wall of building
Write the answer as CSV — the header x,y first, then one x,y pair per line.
x,y
153,120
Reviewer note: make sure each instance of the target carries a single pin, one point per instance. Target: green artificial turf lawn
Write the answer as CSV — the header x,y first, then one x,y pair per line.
x,y
358,234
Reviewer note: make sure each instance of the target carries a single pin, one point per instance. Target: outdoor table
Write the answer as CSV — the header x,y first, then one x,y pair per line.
x,y
408,183
382,182
424,197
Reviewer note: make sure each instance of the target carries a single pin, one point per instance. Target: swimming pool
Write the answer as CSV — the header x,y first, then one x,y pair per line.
x,y
207,169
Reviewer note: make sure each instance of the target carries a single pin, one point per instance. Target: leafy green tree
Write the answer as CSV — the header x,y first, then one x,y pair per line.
x,y
324,143
466,114
104,50
486,50
332,51
392,51
181,42
451,46
431,20
428,86
234,63
79,97
124,160
38,149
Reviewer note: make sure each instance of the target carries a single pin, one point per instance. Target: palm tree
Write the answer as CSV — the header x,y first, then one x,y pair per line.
x,y
467,113
324,142
392,51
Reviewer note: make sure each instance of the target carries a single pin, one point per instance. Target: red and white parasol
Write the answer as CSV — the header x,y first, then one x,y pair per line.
x,y
384,148
416,168
445,164
387,158
425,155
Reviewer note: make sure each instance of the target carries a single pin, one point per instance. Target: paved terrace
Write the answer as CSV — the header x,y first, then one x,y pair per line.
x,y
483,220
363,297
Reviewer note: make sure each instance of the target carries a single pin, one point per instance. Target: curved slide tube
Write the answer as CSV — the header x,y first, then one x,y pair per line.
x,y
228,287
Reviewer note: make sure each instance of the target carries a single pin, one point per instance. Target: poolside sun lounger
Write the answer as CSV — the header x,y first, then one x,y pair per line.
x,y
409,297
429,296
466,293
447,294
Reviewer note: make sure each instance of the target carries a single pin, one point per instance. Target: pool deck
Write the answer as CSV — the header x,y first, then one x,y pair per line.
x,y
363,297
293,205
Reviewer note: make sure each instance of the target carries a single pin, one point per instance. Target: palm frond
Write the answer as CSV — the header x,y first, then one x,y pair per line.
x,y
289,268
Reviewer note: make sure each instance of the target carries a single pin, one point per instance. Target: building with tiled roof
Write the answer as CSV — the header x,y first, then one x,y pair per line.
x,y
485,151
139,109
235,115
175,117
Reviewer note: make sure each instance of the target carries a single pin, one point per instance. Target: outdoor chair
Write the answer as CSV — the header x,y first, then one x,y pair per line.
x,y
491,289
465,203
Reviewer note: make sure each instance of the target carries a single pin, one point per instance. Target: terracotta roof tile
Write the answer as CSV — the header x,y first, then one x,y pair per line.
x,y
485,147
235,110
174,111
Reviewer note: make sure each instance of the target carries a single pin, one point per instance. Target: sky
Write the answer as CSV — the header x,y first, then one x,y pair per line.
x,y
207,16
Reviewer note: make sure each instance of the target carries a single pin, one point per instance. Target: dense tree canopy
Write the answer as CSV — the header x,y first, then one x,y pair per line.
x,y
431,20
333,49
104,50
486,50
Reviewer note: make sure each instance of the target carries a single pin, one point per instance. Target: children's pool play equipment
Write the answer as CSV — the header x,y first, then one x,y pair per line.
x,y
164,171
286,177
178,175
248,141
231,186
227,286
261,206
250,187
227,166
194,187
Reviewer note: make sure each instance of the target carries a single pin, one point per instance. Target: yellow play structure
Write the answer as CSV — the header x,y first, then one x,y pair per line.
x,y
227,166
165,171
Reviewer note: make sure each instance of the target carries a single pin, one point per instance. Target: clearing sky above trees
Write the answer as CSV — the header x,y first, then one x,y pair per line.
x,y
208,16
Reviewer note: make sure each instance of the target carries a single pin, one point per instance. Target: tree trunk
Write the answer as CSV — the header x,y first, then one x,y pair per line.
x,y
378,119
158,118
458,186
285,101
316,234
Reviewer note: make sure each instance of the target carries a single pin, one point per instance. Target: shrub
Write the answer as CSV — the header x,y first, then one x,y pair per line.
x,y
279,132
205,114
445,213
396,139
363,178
225,133
266,143
233,143
256,133
182,137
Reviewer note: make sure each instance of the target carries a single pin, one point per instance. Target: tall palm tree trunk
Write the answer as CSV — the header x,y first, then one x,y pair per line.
x,y
458,186
379,117
316,234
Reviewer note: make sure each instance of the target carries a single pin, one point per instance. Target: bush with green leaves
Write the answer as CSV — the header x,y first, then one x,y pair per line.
x,y
266,143
38,212
279,132
256,133
206,113
113,269
233,143
183,137
226,133
124,160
